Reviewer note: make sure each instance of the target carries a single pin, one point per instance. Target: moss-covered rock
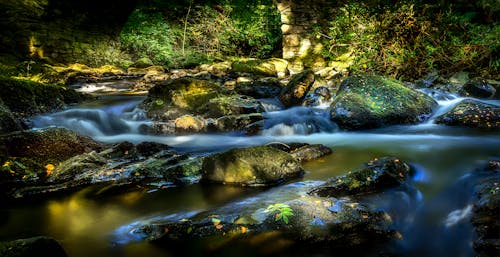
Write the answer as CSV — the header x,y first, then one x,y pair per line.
x,y
253,166
376,176
369,101
173,98
262,88
471,113
268,67
36,246
296,90
25,98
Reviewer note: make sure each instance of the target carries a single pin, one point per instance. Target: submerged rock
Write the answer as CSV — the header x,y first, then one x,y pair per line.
x,y
302,152
376,176
36,246
369,101
472,113
260,224
297,89
486,211
120,168
253,166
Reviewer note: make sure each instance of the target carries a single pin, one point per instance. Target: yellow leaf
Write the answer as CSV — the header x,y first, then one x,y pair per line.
x,y
49,168
243,229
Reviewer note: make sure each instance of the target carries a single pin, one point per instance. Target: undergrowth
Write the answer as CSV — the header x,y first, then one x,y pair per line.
x,y
407,40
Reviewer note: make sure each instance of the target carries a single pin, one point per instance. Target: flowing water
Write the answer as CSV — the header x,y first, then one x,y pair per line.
x,y
433,221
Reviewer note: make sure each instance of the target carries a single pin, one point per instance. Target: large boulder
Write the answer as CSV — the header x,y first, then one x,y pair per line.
x,y
253,166
36,246
377,175
296,90
171,99
369,101
472,113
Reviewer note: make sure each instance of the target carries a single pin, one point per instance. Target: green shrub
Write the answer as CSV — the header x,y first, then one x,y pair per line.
x,y
180,34
147,34
406,40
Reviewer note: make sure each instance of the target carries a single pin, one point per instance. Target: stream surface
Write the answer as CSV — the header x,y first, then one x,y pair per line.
x,y
433,222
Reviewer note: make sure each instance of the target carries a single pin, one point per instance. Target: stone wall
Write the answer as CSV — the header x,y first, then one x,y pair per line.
x,y
302,23
61,30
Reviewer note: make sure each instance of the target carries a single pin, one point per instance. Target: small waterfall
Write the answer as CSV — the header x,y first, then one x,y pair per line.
x,y
107,87
271,104
297,121
123,118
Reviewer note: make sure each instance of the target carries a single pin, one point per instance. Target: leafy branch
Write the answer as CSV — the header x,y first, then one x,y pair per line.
x,y
281,211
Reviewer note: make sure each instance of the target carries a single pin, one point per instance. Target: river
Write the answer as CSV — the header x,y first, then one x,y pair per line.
x,y
434,222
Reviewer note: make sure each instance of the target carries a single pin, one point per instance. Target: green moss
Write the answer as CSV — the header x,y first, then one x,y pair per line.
x,y
369,101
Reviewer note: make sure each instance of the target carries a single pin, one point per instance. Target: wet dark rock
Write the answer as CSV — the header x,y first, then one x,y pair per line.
x,y
369,101
472,113
251,124
486,211
268,88
479,88
297,89
320,95
8,123
377,175
36,246
311,152
253,166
